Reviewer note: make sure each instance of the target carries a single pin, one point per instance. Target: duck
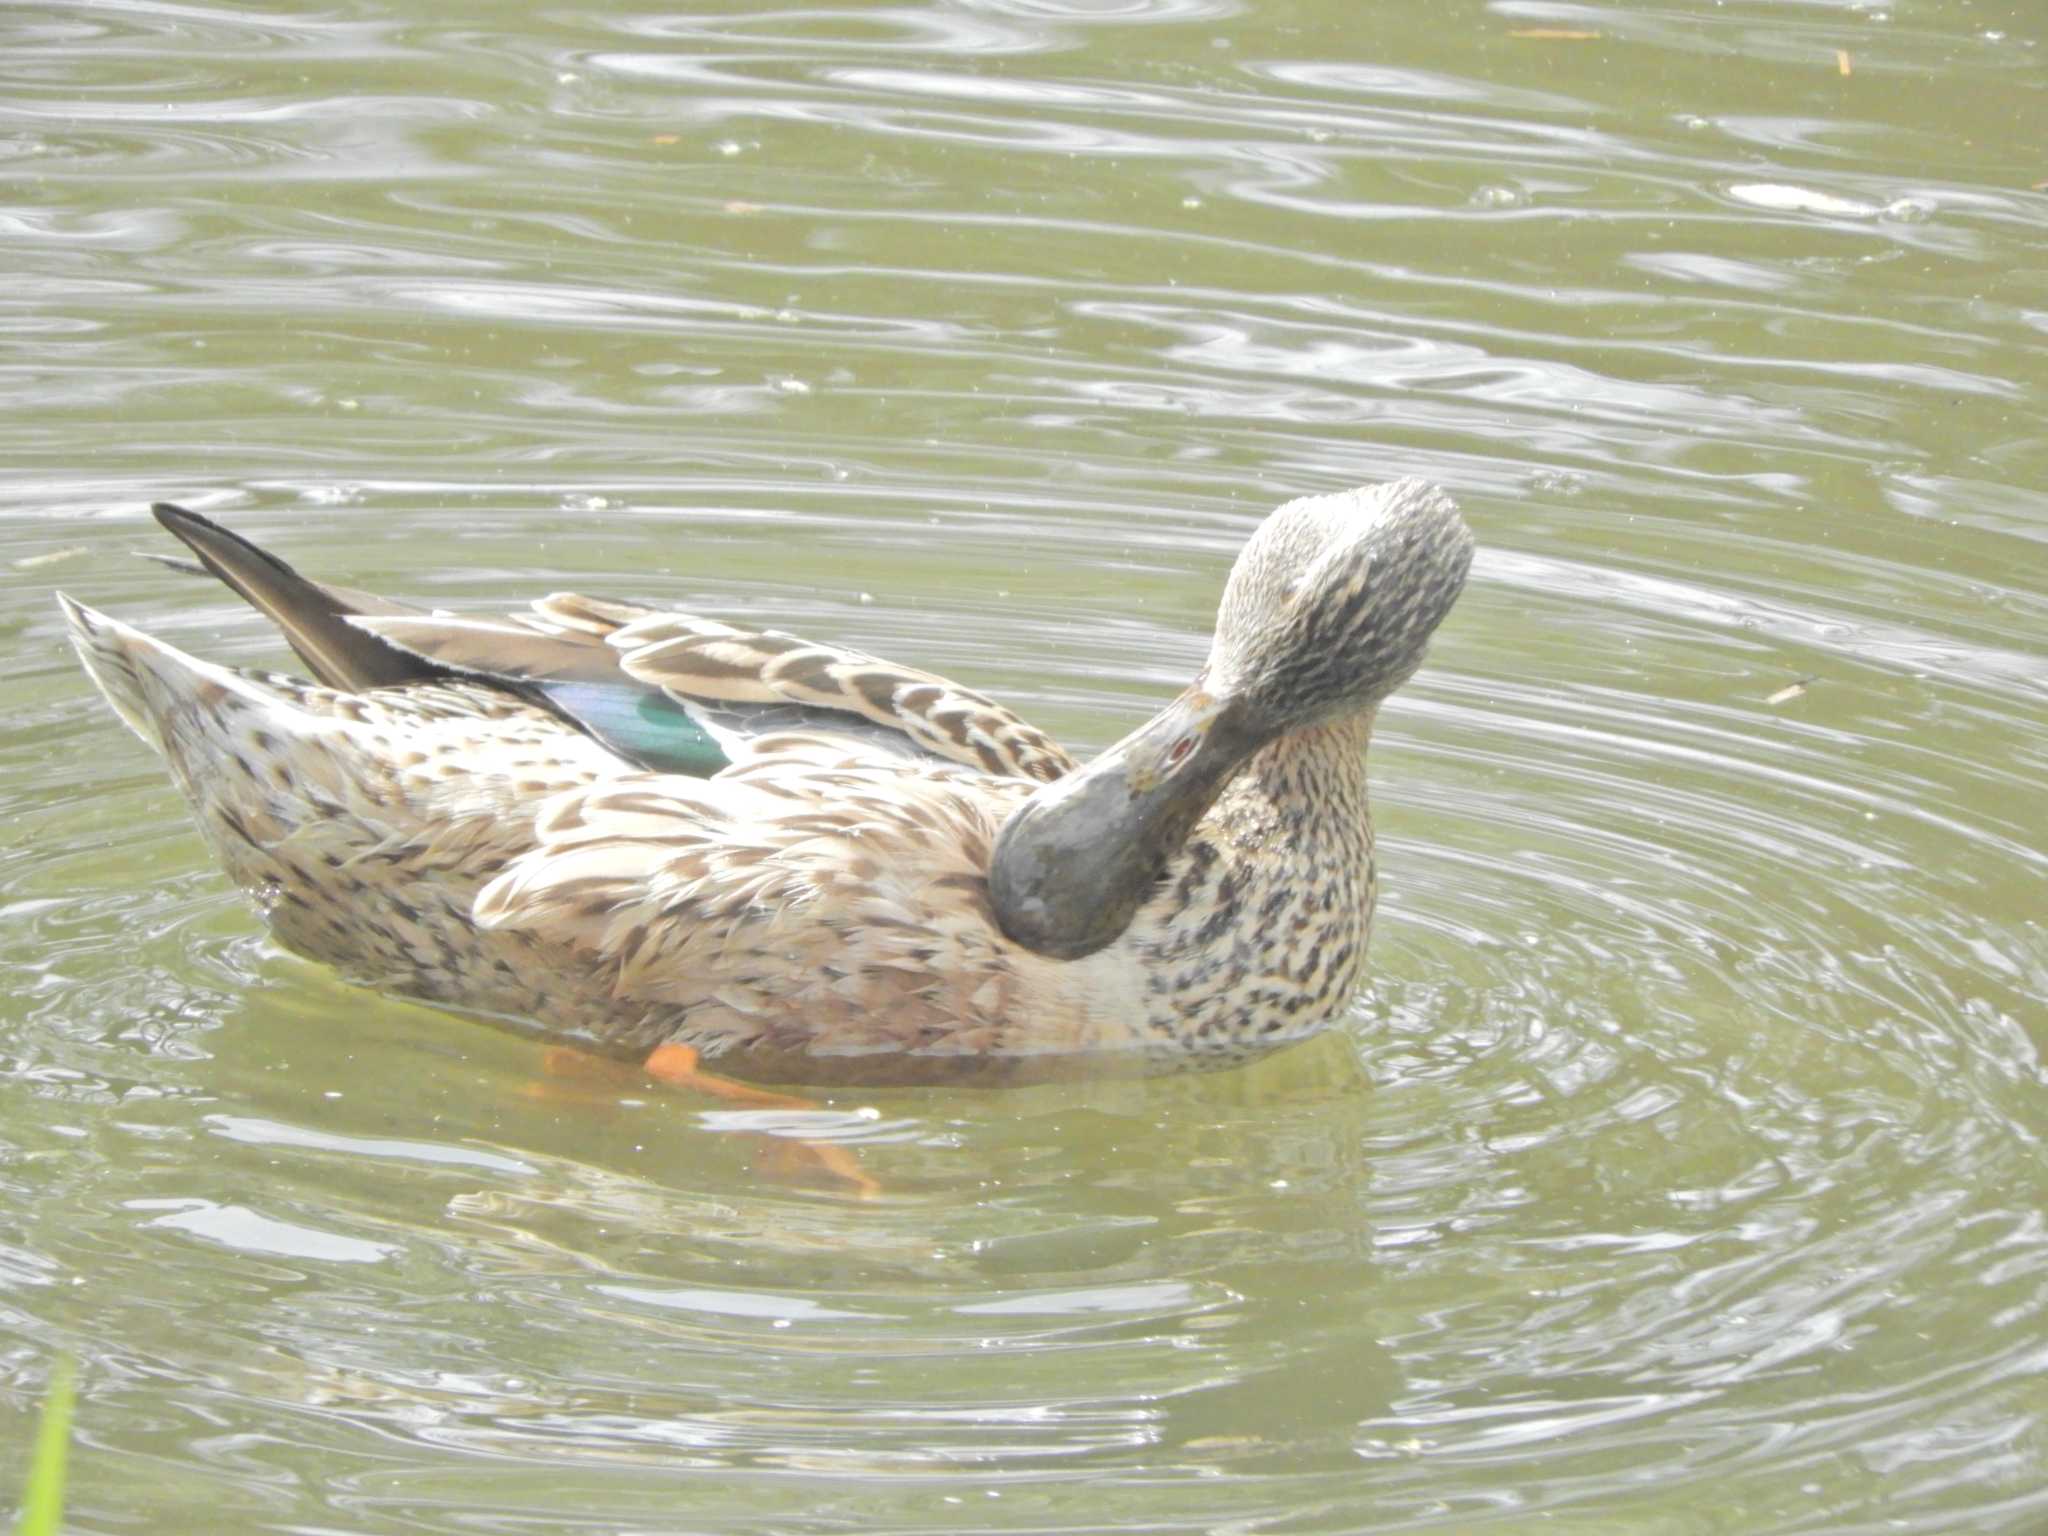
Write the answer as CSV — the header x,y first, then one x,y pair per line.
x,y
730,855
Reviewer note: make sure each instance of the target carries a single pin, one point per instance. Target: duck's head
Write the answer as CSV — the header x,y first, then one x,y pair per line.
x,y
1328,610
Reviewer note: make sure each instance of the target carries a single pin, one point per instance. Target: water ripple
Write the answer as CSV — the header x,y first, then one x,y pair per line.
x,y
1686,1150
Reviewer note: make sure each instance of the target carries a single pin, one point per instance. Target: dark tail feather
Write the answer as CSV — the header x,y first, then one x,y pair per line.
x,y
176,563
314,618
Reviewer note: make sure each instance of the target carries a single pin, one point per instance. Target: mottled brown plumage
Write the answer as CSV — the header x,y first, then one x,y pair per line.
x,y
875,874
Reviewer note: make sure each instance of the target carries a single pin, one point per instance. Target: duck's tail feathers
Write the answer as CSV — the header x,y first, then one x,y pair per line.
x,y
140,675
314,618
179,704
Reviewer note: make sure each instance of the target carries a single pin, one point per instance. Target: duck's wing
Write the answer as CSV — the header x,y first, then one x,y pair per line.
x,y
313,618
666,691
682,694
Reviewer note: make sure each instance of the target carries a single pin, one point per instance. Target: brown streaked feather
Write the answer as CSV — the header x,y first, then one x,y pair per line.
x,y
692,659
495,647
762,924
569,637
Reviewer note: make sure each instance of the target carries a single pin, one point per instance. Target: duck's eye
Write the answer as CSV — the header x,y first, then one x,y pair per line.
x,y
1178,752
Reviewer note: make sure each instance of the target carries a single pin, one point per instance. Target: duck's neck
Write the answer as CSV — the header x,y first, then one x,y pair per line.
x,y
1306,784
1261,920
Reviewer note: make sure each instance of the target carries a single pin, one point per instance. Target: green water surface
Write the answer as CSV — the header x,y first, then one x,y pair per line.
x,y
1682,1168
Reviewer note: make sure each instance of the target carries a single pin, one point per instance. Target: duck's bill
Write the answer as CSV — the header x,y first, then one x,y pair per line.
x,y
1080,857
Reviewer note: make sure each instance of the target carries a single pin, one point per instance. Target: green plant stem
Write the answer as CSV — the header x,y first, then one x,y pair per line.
x,y
42,1506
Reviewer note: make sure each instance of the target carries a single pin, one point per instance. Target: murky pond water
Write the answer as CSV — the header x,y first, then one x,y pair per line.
x,y
1682,1168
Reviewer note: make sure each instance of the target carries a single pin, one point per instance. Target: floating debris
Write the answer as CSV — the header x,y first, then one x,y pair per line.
x,y
1780,198
1789,692
48,557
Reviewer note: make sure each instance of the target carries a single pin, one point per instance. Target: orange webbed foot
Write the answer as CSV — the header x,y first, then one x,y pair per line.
x,y
569,1076
679,1067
